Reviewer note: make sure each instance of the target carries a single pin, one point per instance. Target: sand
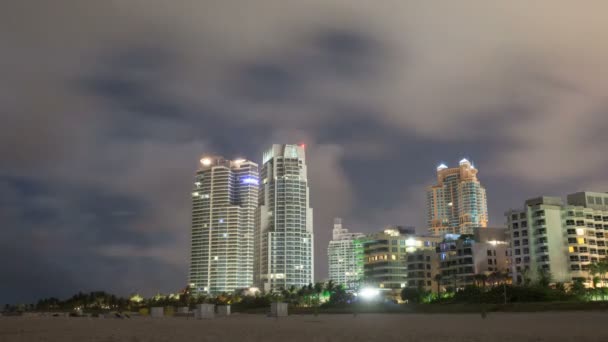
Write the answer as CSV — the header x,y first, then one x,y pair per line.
x,y
566,326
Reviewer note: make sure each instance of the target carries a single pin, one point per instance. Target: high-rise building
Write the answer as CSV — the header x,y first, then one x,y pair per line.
x,y
345,256
284,229
396,258
457,203
462,257
224,200
562,240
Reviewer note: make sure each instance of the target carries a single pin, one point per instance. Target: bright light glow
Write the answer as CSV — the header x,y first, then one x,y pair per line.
x,y
221,221
464,161
303,145
450,204
206,161
249,180
413,243
580,231
252,291
195,193
197,183
239,161
225,235
205,196
216,258
369,293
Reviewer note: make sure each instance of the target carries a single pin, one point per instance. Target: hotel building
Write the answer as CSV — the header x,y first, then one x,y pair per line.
x,y
561,239
457,203
345,257
396,258
284,228
224,200
461,257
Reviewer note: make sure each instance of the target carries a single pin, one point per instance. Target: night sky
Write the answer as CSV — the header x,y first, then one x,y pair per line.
x,y
106,107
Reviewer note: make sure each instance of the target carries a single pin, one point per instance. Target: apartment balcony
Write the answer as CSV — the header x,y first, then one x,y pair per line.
x,y
541,251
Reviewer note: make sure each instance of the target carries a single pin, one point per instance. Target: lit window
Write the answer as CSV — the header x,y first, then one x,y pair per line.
x,y
571,249
581,241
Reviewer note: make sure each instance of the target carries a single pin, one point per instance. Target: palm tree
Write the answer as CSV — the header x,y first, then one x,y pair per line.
x,y
594,270
437,279
318,289
330,286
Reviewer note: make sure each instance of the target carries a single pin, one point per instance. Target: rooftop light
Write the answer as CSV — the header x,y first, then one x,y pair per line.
x,y
206,161
464,161
442,167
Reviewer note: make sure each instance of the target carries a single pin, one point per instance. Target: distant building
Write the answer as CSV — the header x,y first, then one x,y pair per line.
x,y
462,257
345,256
224,199
457,203
395,254
284,227
562,240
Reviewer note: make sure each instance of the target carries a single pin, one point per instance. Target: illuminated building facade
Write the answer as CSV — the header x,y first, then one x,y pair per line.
x,y
284,230
462,257
224,200
457,203
395,254
560,239
345,256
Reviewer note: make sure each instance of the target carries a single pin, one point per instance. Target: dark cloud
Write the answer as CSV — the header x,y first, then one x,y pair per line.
x,y
107,107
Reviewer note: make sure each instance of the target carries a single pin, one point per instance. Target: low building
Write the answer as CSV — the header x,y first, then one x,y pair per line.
x,y
559,239
462,257
395,254
345,257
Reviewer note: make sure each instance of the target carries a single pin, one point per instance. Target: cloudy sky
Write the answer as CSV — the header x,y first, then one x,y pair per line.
x,y
106,106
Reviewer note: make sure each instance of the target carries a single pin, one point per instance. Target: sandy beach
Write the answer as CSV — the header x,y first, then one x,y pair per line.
x,y
578,326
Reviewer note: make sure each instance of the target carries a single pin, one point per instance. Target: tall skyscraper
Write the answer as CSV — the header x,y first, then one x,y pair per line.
x,y
457,203
345,256
284,231
224,201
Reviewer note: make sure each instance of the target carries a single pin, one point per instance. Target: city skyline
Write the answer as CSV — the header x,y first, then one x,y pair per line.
x,y
106,110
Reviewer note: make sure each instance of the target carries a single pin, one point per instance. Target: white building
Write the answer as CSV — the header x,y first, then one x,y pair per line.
x,y
224,200
345,256
560,239
284,231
